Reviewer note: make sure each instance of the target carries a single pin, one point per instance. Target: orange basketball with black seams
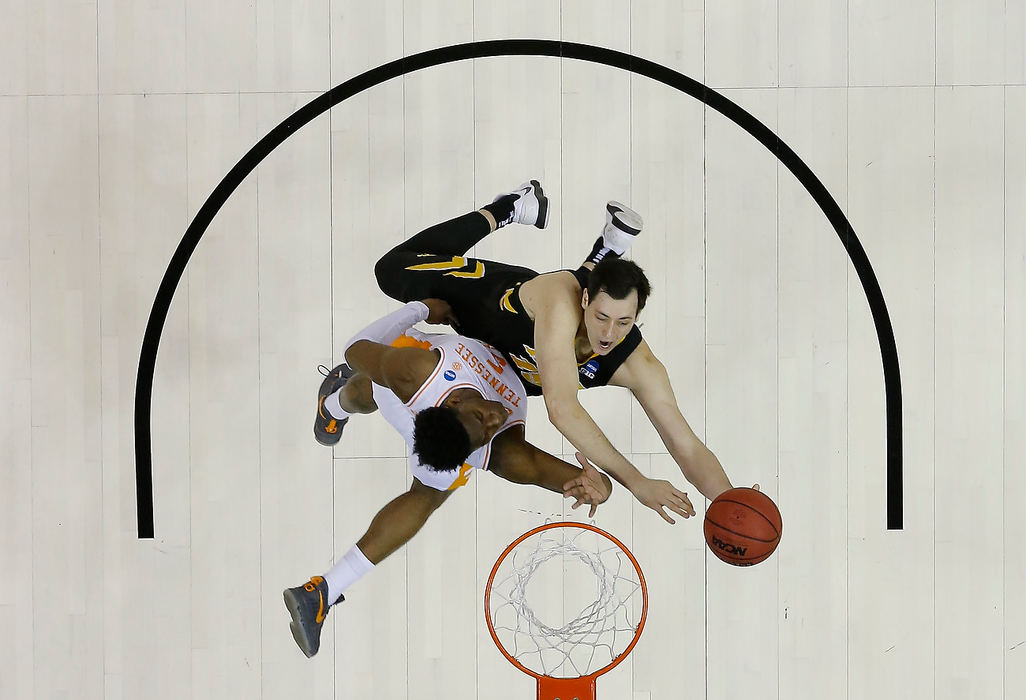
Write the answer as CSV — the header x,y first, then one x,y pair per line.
x,y
742,526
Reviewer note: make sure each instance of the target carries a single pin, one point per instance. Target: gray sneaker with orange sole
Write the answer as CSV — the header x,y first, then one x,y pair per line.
x,y
327,428
308,604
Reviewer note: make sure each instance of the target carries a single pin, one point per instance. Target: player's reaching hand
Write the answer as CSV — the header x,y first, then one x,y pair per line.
x,y
439,312
658,494
591,487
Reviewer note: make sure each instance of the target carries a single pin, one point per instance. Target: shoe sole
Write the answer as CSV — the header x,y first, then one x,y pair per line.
x,y
320,441
292,604
322,436
319,435
543,205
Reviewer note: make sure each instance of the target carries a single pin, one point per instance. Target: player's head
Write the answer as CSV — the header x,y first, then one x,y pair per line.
x,y
439,439
616,294
444,436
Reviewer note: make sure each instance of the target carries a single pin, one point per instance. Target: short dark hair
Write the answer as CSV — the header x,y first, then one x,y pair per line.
x,y
617,277
439,439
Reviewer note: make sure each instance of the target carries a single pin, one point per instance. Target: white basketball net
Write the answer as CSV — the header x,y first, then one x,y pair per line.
x,y
557,571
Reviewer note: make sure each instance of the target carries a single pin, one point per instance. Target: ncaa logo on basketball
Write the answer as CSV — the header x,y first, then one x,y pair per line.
x,y
728,547
449,375
590,369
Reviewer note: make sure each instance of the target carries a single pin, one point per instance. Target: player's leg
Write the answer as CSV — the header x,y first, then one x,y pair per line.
x,y
341,394
440,249
399,521
392,527
357,396
473,288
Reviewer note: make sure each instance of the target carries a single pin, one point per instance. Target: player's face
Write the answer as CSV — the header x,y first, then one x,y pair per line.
x,y
481,418
608,320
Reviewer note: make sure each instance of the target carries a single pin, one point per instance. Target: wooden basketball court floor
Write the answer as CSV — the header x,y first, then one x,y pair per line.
x,y
120,117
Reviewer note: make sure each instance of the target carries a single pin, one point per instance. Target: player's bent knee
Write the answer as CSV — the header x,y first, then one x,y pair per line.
x,y
387,271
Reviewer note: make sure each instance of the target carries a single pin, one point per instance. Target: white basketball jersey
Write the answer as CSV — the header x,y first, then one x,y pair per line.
x,y
465,363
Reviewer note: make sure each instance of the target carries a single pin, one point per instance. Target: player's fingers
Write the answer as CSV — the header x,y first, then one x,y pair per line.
x,y
663,514
580,495
756,487
678,509
685,502
594,507
688,507
572,484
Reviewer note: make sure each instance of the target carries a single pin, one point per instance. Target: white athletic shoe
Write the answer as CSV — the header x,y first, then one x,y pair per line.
x,y
530,206
622,226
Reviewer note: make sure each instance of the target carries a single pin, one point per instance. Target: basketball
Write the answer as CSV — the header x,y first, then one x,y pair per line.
x,y
742,526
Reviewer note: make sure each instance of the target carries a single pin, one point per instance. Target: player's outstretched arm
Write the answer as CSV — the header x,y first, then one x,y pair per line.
x,y
556,323
647,379
519,461
554,331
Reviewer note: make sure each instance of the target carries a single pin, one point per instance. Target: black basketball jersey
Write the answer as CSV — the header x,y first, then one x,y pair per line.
x,y
512,333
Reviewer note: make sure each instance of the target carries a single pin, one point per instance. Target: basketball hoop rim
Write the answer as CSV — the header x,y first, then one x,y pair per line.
x,y
550,526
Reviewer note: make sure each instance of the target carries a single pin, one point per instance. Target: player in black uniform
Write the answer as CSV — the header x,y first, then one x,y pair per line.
x,y
484,294
562,330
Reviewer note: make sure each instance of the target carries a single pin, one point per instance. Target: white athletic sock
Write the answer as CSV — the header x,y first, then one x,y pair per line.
x,y
347,571
333,405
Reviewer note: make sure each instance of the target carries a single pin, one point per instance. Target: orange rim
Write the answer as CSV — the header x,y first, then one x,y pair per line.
x,y
549,526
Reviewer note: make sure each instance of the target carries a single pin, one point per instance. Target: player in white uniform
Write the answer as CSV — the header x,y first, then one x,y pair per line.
x,y
459,408
463,363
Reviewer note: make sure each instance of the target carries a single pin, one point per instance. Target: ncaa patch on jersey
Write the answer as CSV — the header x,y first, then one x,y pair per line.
x,y
590,369
449,375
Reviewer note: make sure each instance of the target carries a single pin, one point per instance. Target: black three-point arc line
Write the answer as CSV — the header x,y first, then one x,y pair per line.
x,y
514,47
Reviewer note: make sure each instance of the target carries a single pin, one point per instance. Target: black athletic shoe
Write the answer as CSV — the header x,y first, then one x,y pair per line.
x,y
308,604
327,428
